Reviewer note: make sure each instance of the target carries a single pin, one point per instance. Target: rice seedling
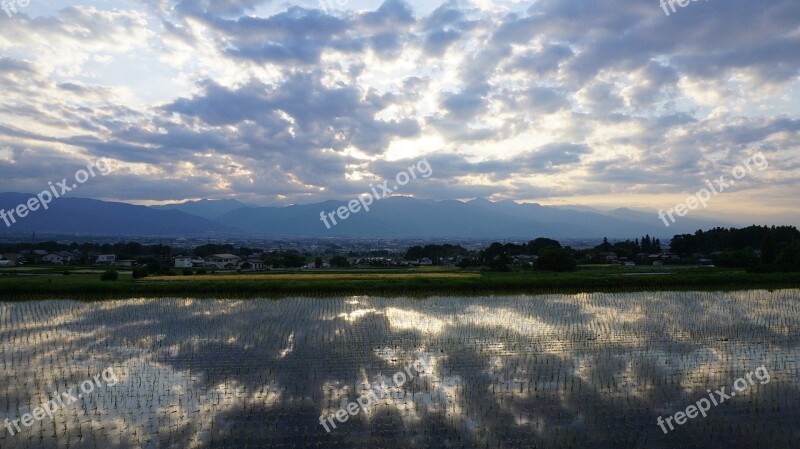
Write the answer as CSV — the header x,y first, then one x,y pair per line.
x,y
503,371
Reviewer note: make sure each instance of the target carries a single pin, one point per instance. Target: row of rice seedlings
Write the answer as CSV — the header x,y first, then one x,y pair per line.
x,y
504,371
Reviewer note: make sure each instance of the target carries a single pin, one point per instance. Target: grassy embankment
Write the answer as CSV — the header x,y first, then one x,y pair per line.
x,y
40,282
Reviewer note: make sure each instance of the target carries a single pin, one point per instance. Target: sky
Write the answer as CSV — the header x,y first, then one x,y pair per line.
x,y
604,103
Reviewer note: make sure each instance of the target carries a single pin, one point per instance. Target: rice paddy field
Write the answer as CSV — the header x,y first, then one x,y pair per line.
x,y
504,371
36,283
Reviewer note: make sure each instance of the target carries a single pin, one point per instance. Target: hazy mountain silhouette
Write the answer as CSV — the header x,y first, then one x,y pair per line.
x,y
480,218
395,217
94,217
210,209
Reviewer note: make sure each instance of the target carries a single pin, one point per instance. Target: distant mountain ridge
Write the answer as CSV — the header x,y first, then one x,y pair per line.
x,y
479,218
210,209
68,215
394,217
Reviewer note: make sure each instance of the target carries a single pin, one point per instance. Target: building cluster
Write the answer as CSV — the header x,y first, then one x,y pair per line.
x,y
639,259
40,256
221,262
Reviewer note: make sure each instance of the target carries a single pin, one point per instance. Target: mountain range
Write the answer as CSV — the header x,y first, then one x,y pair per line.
x,y
84,216
394,217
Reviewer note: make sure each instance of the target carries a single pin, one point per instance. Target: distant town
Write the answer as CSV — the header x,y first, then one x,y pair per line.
x,y
736,248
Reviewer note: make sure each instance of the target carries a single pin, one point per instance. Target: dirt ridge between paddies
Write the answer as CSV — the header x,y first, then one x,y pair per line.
x,y
309,276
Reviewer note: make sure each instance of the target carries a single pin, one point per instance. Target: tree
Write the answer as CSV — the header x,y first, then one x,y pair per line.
x,y
499,263
769,249
339,262
414,253
534,246
465,263
433,252
736,259
154,266
789,256
555,259
207,250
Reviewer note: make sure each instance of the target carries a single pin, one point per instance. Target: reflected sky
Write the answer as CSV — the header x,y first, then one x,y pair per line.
x,y
502,371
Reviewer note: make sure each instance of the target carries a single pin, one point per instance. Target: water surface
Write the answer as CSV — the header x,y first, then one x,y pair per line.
x,y
502,371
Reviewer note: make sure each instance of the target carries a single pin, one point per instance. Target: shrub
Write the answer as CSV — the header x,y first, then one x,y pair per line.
x,y
736,259
186,272
109,275
166,271
66,272
154,267
339,262
140,272
554,258
201,271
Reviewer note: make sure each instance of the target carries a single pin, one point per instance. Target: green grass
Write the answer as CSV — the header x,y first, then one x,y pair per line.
x,y
385,282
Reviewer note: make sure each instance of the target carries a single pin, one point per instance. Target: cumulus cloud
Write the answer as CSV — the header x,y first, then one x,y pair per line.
x,y
281,103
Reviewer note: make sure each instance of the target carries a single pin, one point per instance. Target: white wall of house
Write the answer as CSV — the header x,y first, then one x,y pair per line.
x,y
183,262
221,261
106,259
255,265
54,259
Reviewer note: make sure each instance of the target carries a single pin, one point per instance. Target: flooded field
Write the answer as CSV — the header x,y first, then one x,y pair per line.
x,y
588,370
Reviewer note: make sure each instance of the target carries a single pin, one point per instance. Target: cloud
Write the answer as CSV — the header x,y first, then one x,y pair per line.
x,y
281,103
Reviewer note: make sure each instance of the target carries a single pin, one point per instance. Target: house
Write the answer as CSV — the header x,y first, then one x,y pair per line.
x,y
315,265
371,261
608,256
183,262
629,263
252,265
124,263
6,263
66,256
105,259
425,262
53,259
39,252
12,259
189,262
221,261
